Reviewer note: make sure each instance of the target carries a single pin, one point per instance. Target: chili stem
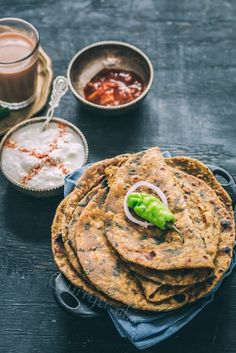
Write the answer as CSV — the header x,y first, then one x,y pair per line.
x,y
174,228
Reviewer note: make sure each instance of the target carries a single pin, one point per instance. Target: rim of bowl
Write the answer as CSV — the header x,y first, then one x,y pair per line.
x,y
110,42
31,121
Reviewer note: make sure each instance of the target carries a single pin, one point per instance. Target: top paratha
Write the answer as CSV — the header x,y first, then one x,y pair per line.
x,y
148,252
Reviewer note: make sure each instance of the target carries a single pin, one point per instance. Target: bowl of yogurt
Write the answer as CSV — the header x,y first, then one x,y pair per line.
x,y
36,160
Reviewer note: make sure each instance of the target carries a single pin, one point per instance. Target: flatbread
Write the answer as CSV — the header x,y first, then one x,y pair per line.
x,y
90,179
171,254
157,293
69,236
180,277
109,273
203,205
223,259
198,169
63,263
112,277
161,294
103,267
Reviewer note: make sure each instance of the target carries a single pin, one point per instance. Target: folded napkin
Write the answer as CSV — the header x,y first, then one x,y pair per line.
x,y
147,329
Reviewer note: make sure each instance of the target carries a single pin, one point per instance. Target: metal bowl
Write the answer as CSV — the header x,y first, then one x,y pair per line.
x,y
111,55
46,192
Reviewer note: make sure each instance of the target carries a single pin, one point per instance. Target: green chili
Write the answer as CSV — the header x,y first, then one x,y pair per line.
x,y
4,112
153,210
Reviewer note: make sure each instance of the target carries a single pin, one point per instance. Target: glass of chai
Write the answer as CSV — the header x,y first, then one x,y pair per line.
x,y
19,44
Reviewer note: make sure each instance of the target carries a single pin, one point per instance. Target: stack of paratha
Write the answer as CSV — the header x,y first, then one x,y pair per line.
x,y
103,253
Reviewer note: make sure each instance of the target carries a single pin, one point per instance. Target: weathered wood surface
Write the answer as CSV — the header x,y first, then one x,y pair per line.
x,y
190,110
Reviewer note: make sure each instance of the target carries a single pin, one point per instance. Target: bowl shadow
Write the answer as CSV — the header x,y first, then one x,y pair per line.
x,y
27,217
112,135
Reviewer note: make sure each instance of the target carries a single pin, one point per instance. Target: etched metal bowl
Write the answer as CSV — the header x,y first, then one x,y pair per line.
x,y
45,192
110,55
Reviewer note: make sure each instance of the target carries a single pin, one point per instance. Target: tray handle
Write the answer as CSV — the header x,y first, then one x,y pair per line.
x,y
229,184
70,302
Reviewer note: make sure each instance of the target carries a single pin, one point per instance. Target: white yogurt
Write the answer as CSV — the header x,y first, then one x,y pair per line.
x,y
40,159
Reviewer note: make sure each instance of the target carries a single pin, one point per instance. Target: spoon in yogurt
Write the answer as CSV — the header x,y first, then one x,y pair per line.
x,y
60,87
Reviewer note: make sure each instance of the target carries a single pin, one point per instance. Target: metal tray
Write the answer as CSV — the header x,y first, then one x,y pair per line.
x,y
65,292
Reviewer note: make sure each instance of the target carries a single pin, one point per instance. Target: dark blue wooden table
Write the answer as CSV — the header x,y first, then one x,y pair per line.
x,y
191,110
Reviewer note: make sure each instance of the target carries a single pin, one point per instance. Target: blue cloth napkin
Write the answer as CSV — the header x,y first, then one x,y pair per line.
x,y
147,329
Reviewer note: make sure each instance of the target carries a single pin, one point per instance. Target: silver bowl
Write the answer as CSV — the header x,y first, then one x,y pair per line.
x,y
46,192
111,55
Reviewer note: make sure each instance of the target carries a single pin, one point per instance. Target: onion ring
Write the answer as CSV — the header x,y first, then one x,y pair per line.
x,y
151,186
